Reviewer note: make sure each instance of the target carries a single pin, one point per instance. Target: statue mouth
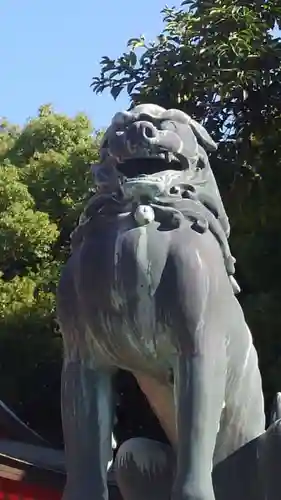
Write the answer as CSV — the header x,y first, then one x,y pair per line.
x,y
142,167
147,177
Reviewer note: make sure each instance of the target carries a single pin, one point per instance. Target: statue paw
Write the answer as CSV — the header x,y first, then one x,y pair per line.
x,y
194,492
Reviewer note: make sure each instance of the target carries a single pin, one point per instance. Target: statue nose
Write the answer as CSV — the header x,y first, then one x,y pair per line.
x,y
140,132
148,130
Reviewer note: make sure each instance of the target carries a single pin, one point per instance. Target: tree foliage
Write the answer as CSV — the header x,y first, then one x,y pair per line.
x,y
44,179
220,62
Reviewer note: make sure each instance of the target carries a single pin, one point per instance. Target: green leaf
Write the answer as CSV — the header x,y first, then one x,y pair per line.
x,y
116,90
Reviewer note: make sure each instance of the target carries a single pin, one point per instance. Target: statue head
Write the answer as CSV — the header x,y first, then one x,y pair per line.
x,y
150,139
150,150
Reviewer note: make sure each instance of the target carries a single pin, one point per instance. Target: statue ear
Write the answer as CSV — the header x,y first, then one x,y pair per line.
x,y
203,136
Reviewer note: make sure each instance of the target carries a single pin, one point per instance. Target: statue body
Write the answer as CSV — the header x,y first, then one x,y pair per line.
x,y
149,288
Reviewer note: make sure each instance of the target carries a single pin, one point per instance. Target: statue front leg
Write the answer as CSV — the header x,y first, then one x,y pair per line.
x,y
87,426
199,399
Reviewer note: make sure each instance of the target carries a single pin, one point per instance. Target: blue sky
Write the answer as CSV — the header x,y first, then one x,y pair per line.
x,y
51,49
